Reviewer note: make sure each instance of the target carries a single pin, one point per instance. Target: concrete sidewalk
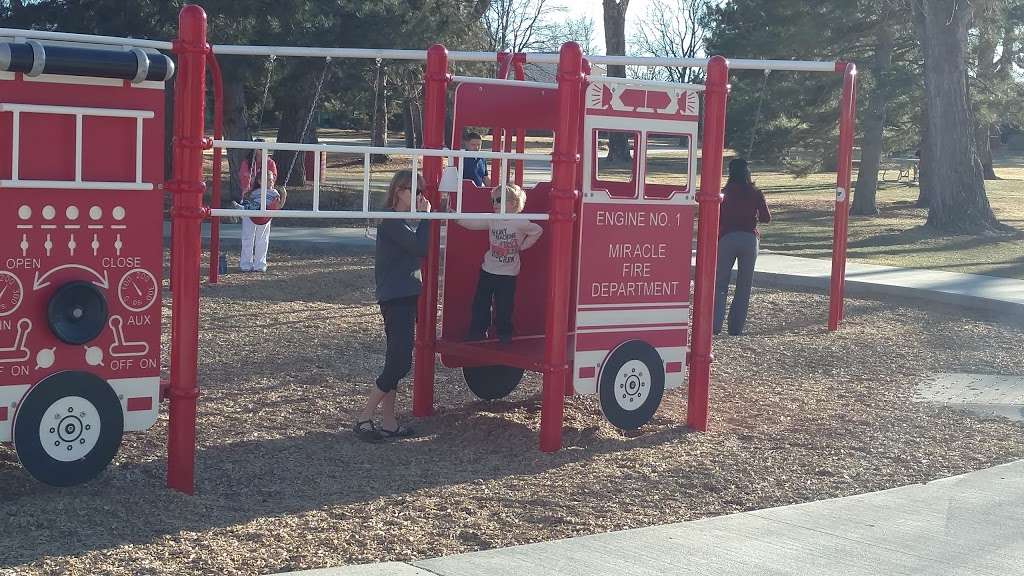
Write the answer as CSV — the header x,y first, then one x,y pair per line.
x,y
874,281
964,525
1001,295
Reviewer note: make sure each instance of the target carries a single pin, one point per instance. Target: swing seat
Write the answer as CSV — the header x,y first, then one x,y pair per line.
x,y
274,204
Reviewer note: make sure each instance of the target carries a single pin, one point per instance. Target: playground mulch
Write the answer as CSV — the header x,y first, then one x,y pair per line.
x,y
797,414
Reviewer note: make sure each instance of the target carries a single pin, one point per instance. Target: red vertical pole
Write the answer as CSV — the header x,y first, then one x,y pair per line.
x,y
562,200
497,133
436,86
709,198
186,187
520,74
218,133
841,218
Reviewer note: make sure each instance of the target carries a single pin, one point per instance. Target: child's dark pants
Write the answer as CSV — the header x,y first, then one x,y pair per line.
x,y
503,290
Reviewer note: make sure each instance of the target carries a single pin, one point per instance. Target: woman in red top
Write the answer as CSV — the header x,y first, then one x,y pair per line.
x,y
743,206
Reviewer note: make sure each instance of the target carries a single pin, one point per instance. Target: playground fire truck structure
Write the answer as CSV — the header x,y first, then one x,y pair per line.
x,y
611,273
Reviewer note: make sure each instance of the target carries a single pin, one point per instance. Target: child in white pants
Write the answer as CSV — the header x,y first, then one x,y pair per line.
x,y
255,243
256,235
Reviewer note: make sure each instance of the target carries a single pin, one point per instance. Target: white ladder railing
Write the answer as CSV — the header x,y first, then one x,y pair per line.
x,y
79,113
414,154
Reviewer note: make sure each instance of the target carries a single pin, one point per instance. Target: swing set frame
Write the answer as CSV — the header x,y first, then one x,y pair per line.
x,y
186,186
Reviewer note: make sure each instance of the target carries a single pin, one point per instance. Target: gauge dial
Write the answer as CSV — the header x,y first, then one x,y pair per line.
x,y
11,293
137,289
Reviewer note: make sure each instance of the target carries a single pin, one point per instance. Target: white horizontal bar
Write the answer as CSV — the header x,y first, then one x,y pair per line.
x,y
640,306
90,38
454,56
503,82
74,110
790,65
72,185
343,149
363,214
586,319
648,83
734,64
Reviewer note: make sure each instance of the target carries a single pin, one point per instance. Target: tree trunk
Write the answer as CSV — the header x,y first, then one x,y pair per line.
x,y
871,149
958,202
379,118
236,127
290,167
615,45
924,185
417,120
985,71
410,124
982,135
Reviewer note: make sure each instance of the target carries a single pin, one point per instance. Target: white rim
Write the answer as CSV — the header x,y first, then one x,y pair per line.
x,y
632,385
69,429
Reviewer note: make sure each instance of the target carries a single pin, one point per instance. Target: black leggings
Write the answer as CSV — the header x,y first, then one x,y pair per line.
x,y
399,330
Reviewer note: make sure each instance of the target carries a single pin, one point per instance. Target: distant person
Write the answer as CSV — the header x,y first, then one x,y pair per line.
x,y
251,170
474,169
742,209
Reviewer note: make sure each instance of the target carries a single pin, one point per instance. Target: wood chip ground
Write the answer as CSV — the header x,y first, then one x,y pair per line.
x,y
797,414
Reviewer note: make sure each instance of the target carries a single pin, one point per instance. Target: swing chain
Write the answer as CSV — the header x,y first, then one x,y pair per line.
x,y
373,121
263,106
309,119
757,116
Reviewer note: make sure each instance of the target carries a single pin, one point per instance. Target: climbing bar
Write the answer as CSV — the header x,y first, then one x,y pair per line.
x,y
455,56
504,82
650,83
346,149
363,214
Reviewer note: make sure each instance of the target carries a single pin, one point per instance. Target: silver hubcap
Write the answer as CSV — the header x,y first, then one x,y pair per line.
x,y
69,429
632,385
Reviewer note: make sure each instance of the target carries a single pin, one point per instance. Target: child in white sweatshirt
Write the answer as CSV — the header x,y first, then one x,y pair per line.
x,y
501,263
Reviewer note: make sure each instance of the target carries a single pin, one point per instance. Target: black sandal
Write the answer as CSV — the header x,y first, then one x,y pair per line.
x,y
400,432
367,432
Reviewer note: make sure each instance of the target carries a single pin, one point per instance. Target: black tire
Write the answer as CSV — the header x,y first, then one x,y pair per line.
x,y
631,393
77,312
492,382
76,402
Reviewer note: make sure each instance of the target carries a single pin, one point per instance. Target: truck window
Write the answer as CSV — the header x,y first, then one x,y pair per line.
x,y
618,177
667,164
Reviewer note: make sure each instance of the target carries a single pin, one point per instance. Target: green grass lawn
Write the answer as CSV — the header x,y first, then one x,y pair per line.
x,y
802,226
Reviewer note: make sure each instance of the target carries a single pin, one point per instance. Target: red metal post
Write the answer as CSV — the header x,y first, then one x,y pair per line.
x,y
841,218
218,133
709,198
562,201
520,74
435,89
186,187
498,134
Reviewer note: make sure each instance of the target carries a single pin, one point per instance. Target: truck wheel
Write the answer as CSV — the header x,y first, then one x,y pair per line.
x,y
631,385
492,382
68,428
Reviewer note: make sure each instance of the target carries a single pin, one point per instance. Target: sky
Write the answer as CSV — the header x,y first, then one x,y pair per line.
x,y
593,10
